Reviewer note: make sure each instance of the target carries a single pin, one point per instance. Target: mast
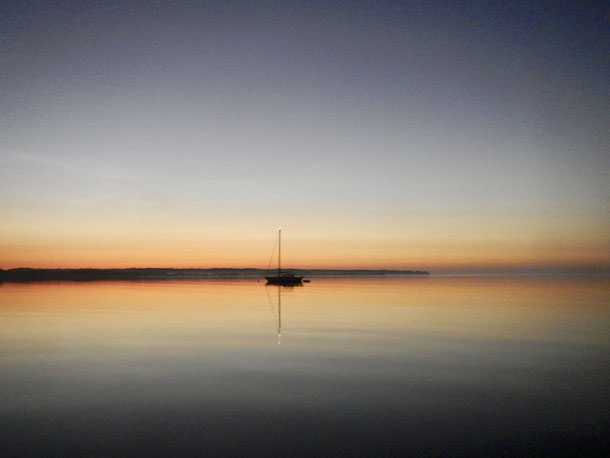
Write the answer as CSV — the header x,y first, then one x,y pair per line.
x,y
279,253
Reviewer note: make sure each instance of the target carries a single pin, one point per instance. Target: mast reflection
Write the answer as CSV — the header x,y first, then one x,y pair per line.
x,y
279,315
279,307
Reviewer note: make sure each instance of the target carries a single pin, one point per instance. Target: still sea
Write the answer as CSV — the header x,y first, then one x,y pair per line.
x,y
372,366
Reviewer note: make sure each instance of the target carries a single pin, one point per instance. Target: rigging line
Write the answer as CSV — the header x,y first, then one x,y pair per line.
x,y
272,252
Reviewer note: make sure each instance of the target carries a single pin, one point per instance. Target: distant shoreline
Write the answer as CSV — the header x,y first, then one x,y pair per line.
x,y
23,274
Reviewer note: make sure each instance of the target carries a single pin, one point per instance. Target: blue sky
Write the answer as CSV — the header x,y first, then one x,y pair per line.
x,y
401,134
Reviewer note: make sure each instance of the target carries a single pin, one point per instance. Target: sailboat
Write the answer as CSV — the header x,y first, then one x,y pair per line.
x,y
285,277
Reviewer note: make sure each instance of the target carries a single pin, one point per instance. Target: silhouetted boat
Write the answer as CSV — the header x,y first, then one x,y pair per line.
x,y
285,277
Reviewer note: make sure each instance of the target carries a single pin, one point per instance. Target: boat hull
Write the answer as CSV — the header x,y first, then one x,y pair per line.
x,y
284,280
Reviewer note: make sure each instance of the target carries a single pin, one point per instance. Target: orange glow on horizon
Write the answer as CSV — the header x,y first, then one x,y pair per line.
x,y
233,254
433,244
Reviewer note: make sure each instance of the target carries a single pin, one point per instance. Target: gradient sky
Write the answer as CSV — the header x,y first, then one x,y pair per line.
x,y
448,136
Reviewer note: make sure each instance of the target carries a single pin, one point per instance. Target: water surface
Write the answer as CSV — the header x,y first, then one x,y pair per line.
x,y
367,366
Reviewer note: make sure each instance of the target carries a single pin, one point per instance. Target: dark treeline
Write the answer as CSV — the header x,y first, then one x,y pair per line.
x,y
27,274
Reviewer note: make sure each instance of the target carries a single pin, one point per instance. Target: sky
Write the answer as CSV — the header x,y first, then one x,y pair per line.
x,y
449,136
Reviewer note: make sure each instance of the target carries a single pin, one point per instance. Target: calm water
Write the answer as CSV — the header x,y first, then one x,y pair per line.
x,y
370,366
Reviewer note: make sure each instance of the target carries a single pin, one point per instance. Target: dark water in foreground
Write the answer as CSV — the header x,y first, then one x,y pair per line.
x,y
373,366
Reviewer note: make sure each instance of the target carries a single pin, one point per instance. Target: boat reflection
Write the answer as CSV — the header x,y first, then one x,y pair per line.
x,y
279,306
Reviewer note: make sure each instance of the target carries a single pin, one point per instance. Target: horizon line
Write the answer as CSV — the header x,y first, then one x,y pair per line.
x,y
495,270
